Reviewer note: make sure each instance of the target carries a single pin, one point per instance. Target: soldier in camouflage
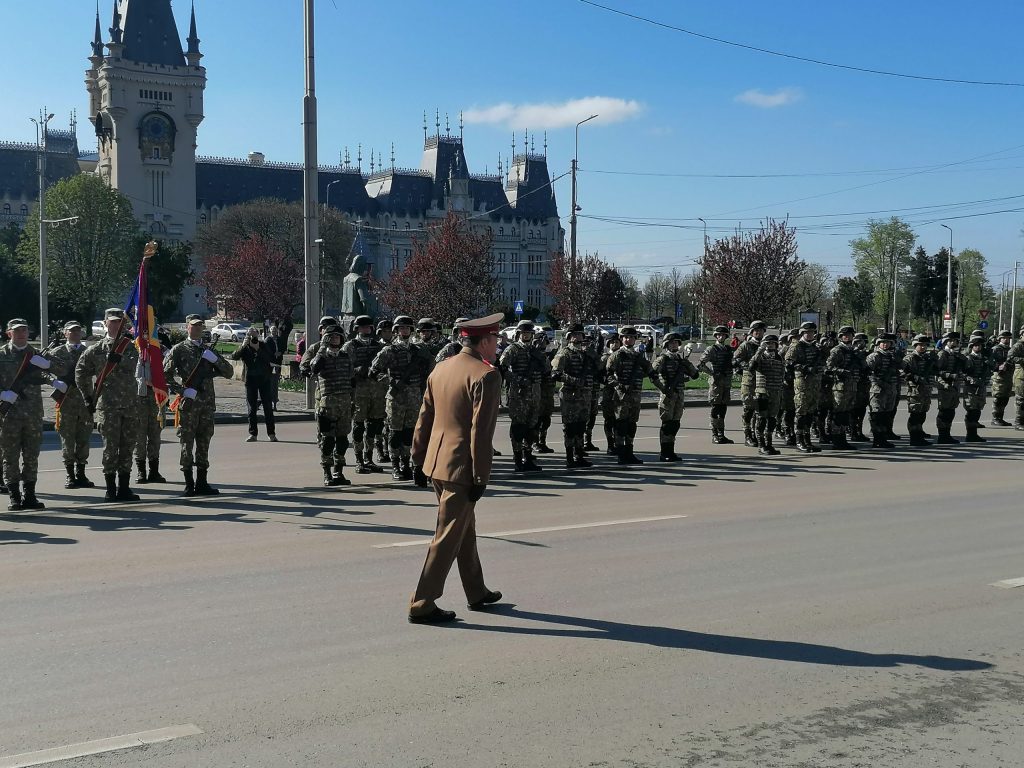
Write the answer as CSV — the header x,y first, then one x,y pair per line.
x,y
608,393
949,378
884,370
786,423
1016,357
670,371
821,425
546,408
769,372
22,374
977,370
196,366
741,361
716,362
627,369
855,432
454,346
403,365
367,396
804,359
385,333
843,369
919,373
1002,378
334,372
593,345
105,374
522,371
430,343
74,422
572,367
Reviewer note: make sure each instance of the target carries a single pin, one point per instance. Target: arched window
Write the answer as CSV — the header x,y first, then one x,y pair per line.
x,y
7,208
408,225
501,230
24,210
202,218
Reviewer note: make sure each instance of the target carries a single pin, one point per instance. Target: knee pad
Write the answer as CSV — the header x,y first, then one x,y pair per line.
x,y
343,443
358,430
517,431
374,427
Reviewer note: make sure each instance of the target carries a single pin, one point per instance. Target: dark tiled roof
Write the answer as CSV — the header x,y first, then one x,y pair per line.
x,y
449,155
534,199
408,195
149,33
490,193
19,174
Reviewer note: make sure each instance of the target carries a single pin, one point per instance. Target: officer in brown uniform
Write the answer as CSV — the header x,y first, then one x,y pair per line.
x,y
453,445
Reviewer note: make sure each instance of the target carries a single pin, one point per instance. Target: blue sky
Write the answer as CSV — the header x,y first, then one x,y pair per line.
x,y
670,104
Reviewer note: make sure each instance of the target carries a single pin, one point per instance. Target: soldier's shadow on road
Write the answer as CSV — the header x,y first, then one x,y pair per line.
x,y
30,537
729,645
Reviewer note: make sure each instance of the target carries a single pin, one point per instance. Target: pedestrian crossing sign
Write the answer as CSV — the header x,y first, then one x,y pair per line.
x,y
519,307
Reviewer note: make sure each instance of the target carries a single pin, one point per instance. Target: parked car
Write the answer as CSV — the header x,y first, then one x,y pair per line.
x,y
686,331
229,332
645,329
99,330
606,330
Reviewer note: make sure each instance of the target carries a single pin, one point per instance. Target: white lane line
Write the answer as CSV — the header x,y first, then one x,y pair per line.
x,y
548,529
72,751
1008,583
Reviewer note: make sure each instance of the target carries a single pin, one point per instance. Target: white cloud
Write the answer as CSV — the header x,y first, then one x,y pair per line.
x,y
557,114
755,97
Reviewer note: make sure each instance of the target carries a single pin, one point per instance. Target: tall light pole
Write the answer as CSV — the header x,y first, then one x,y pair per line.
x,y
949,276
705,258
1002,295
44,288
310,201
1013,300
572,214
328,203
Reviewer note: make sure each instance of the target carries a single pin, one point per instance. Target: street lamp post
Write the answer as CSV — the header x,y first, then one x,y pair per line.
x,y
44,288
328,203
1013,300
705,258
572,215
1002,296
310,202
949,275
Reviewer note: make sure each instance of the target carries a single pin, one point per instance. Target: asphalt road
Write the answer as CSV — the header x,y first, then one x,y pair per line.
x,y
824,611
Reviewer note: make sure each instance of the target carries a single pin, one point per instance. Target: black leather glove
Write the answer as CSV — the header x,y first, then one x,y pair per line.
x,y
475,492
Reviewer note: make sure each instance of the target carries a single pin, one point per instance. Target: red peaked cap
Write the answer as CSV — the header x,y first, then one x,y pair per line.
x,y
481,327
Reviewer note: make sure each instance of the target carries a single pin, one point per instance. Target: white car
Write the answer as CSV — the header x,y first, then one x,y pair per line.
x,y
99,329
229,332
646,330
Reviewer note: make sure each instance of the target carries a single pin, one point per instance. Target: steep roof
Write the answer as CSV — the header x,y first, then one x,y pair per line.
x,y
533,198
19,173
149,33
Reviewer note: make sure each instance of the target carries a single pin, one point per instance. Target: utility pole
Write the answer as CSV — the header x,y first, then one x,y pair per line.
x,y
949,275
1013,301
705,258
572,216
895,273
310,201
44,288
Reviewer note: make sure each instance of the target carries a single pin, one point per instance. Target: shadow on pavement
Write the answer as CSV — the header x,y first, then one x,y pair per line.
x,y
27,537
752,647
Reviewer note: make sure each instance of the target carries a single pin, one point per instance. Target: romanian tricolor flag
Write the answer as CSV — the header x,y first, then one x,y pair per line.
x,y
150,372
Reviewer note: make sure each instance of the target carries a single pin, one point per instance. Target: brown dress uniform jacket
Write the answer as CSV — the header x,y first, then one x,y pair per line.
x,y
454,435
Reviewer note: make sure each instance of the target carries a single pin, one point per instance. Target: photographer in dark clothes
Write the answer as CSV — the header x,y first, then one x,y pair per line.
x,y
258,359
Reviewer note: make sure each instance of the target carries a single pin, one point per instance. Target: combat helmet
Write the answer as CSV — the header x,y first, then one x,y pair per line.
x,y
1004,334
808,326
672,337
425,323
758,325
847,330
385,325
770,337
526,326
363,320
627,330
720,329
403,320
569,331
921,339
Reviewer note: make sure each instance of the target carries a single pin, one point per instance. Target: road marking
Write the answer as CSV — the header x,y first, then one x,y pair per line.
x,y
1008,583
72,751
548,529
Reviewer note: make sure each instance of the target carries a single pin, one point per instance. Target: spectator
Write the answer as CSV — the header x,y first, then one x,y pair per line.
x,y
300,347
258,359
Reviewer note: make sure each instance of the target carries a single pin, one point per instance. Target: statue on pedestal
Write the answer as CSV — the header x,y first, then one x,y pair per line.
x,y
356,296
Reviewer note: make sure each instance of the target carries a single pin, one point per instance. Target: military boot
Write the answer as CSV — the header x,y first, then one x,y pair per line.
x,y
30,501
811,447
878,432
998,421
142,477
589,445
517,459
396,469
762,449
383,456
610,437
945,438
72,481
3,485
839,442
14,501
203,487
190,484
124,491
917,438
407,473
623,451
531,465
581,459
368,459
768,448
542,443
667,453
154,472
339,474
972,437
111,480
81,479
749,439
570,456
361,467
890,419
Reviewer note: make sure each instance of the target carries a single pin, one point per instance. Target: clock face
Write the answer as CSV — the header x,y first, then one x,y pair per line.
x,y
156,137
156,128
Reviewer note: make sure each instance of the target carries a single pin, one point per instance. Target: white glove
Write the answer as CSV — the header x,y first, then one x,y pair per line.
x,y
60,386
209,356
40,362
9,396
190,393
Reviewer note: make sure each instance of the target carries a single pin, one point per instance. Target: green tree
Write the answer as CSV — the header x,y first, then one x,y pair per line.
x,y
90,263
19,294
971,288
854,297
167,274
883,256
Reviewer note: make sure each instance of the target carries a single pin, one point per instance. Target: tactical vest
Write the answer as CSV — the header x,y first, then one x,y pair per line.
x,y
519,365
333,374
628,369
884,368
362,352
948,365
672,370
804,353
404,365
720,358
769,373
572,362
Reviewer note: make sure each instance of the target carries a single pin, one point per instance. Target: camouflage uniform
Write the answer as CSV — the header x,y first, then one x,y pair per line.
x,y
147,447
717,363
919,373
1002,382
334,373
21,430
195,416
769,372
547,394
75,423
572,366
117,408
670,371
1016,357
804,359
522,371
862,388
977,369
607,401
884,370
949,367
821,424
403,364
741,363
842,367
593,348
627,369
367,400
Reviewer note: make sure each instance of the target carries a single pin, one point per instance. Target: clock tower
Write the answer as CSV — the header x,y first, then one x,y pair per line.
x,y
146,103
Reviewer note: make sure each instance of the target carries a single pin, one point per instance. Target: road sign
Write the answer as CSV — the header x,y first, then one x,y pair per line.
x,y
983,325
519,307
947,324
947,316
984,313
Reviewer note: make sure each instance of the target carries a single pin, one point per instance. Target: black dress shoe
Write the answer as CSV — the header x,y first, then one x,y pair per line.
x,y
436,616
485,601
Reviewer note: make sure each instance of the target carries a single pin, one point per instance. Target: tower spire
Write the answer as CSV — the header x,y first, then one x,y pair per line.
x,y
97,38
115,27
193,54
